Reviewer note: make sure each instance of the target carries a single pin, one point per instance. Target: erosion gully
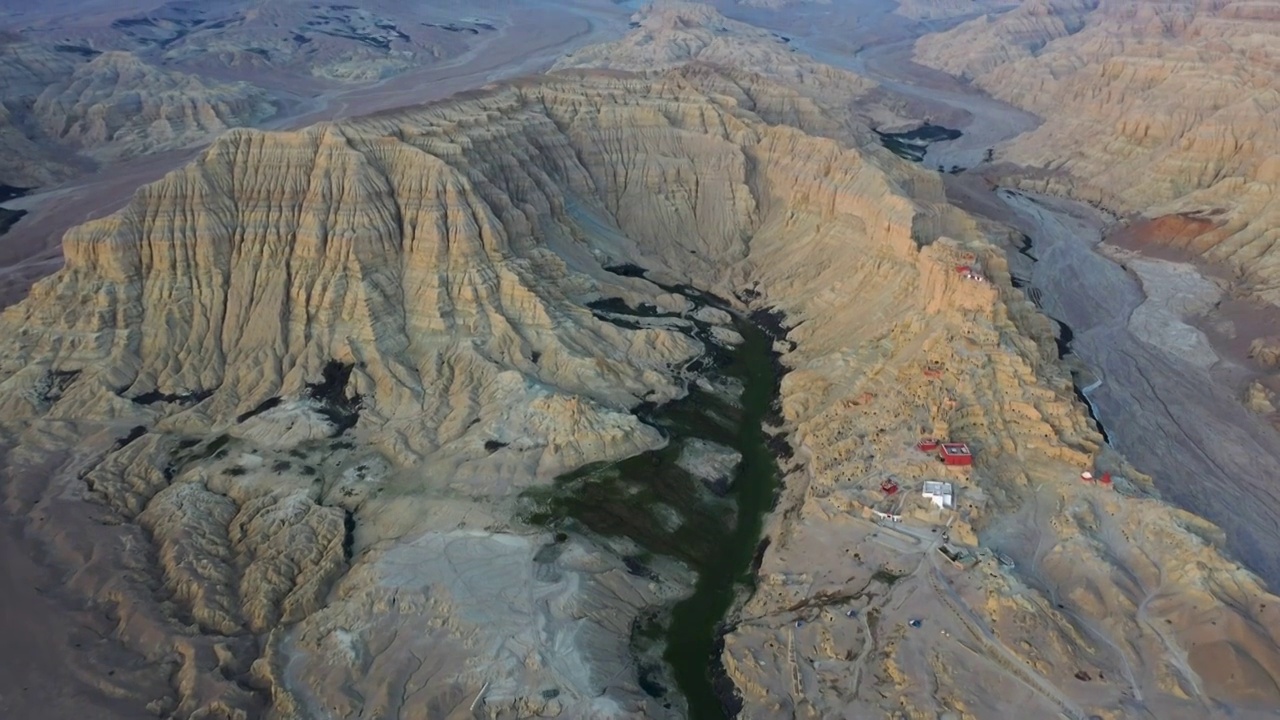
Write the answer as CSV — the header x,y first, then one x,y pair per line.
x,y
718,535
1181,424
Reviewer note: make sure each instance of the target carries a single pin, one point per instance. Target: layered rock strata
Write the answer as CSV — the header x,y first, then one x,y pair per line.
x,y
1173,114
116,105
804,93
113,106
296,387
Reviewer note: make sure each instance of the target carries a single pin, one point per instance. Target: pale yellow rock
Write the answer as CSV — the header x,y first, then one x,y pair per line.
x,y
818,98
1265,351
1259,399
1174,109
425,274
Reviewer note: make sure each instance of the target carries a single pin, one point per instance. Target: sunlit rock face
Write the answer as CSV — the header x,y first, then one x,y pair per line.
x,y
280,410
1174,111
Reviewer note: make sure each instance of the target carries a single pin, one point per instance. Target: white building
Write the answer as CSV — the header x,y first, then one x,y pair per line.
x,y
941,494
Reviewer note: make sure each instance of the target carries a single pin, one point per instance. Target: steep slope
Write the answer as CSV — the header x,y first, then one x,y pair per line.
x,y
391,283
278,413
299,38
26,69
110,107
86,86
116,105
819,98
1174,114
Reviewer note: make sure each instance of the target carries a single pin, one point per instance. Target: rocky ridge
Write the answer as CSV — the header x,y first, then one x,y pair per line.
x,y
26,70
1174,114
92,86
803,92
302,381
116,105
110,107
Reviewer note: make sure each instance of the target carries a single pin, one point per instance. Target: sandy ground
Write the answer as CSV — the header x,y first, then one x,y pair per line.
x,y
38,680
868,38
1168,411
1231,325
1170,400
64,659
1175,419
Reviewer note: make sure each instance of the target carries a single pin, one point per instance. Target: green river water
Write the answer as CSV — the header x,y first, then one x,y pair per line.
x,y
718,537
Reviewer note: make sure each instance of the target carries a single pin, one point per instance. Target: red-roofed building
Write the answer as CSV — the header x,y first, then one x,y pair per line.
x,y
954,453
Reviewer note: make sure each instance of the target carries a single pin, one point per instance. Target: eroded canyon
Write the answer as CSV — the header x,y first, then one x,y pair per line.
x,y
390,417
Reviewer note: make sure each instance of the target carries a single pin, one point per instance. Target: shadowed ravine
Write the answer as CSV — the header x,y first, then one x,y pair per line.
x,y
717,537
692,634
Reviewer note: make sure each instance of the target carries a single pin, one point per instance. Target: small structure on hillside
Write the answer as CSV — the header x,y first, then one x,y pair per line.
x,y
956,453
958,557
941,494
891,517
1104,480
889,487
927,445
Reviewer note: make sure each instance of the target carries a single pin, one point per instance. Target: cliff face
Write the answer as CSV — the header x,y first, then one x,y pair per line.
x,y
802,92
26,69
1173,112
86,86
421,276
295,388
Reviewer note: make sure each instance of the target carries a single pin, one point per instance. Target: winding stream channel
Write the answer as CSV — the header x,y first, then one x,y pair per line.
x,y
664,510
1180,423
1175,421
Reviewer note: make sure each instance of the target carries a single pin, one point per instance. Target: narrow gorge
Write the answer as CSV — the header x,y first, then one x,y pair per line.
x,y
615,392
700,500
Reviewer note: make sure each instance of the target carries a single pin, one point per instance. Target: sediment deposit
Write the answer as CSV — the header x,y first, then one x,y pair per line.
x,y
1173,113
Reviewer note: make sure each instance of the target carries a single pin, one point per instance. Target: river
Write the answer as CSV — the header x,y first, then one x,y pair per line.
x,y
664,510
